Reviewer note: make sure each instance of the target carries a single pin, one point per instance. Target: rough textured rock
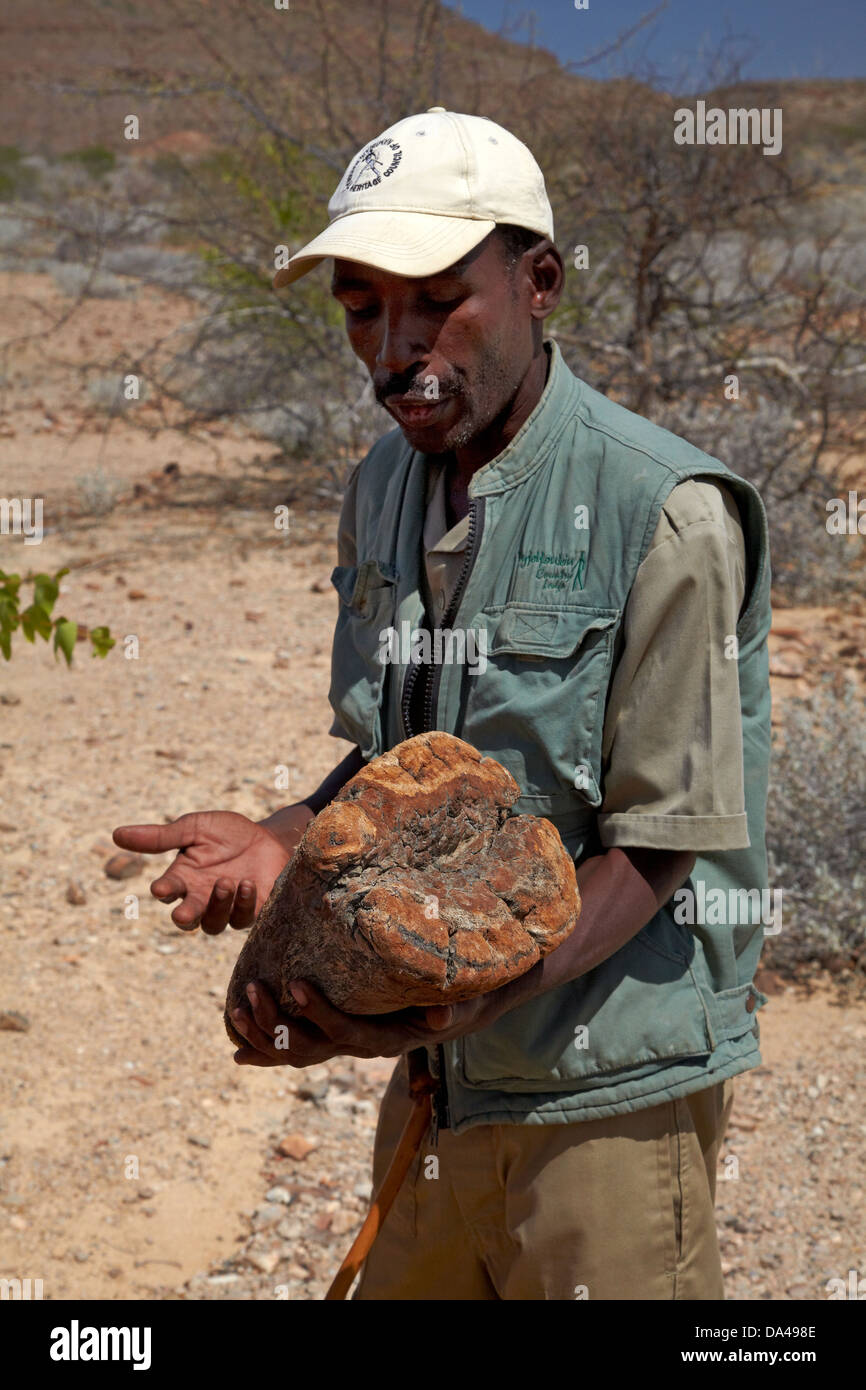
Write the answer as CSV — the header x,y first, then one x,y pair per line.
x,y
416,885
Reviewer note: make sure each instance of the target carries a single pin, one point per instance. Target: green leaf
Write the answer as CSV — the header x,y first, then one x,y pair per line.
x,y
65,633
35,622
8,613
45,591
101,640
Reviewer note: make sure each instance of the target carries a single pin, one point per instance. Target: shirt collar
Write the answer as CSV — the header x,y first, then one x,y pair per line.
x,y
538,433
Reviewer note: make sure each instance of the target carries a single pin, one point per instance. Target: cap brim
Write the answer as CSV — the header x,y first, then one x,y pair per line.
x,y
403,243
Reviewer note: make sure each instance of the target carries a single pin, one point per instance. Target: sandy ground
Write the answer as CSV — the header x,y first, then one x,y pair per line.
x,y
136,1160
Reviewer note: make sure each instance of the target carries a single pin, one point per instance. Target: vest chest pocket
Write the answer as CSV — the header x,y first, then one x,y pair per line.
x,y
367,606
538,707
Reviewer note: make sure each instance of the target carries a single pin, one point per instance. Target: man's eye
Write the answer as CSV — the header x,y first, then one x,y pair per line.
x,y
447,302
364,311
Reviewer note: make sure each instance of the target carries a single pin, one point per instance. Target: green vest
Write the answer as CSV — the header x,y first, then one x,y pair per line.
x,y
674,1010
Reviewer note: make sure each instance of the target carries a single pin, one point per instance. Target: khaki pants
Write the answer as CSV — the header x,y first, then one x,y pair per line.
x,y
620,1208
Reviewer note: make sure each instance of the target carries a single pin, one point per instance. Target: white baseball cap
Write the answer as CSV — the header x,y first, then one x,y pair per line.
x,y
424,193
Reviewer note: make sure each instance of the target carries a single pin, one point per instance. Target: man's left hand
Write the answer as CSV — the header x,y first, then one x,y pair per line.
x,y
321,1031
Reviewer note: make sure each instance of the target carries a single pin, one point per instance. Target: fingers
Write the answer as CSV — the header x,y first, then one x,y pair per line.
x,y
215,917
224,906
214,913
264,1007
255,1036
303,1045
248,1057
323,1031
244,912
189,914
168,886
439,1016
333,1022
345,1035
155,839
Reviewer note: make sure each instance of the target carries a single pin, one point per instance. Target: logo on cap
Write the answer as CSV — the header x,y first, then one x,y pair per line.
x,y
375,163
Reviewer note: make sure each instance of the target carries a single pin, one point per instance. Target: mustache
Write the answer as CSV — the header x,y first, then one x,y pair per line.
x,y
409,386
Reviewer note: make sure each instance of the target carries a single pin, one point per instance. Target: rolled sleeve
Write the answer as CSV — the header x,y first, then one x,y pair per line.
x,y
672,740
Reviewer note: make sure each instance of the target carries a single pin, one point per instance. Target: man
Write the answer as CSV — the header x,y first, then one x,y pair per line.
x,y
617,581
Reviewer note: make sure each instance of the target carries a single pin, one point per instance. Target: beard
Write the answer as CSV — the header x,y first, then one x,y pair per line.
x,y
476,401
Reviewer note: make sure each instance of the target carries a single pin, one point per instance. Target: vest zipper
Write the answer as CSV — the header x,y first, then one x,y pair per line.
x,y
473,535
441,1112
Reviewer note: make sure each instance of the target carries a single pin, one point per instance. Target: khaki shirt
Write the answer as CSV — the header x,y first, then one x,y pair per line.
x,y
672,737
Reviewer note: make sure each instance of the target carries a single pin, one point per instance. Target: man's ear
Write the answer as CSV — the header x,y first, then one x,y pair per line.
x,y
546,273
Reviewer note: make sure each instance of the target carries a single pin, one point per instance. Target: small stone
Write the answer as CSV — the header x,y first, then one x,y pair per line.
x,y
296,1271
266,1260
297,1146
82,1256
340,1104
145,1193
279,1194
124,865
13,1022
290,1228
199,1140
75,893
224,1279
342,1222
787,665
314,1091
266,1216
18,1223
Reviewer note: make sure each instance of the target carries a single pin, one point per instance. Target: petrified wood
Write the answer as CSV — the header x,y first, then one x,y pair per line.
x,y
416,885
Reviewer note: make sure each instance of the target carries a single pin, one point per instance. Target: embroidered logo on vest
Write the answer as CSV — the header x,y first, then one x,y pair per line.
x,y
561,571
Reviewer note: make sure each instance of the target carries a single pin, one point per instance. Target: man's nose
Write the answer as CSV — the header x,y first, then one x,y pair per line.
x,y
400,345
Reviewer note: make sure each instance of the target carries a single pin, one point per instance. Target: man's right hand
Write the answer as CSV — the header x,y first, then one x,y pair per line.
x,y
226,867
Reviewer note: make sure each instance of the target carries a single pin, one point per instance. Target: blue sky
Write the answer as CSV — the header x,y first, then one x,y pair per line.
x,y
775,38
